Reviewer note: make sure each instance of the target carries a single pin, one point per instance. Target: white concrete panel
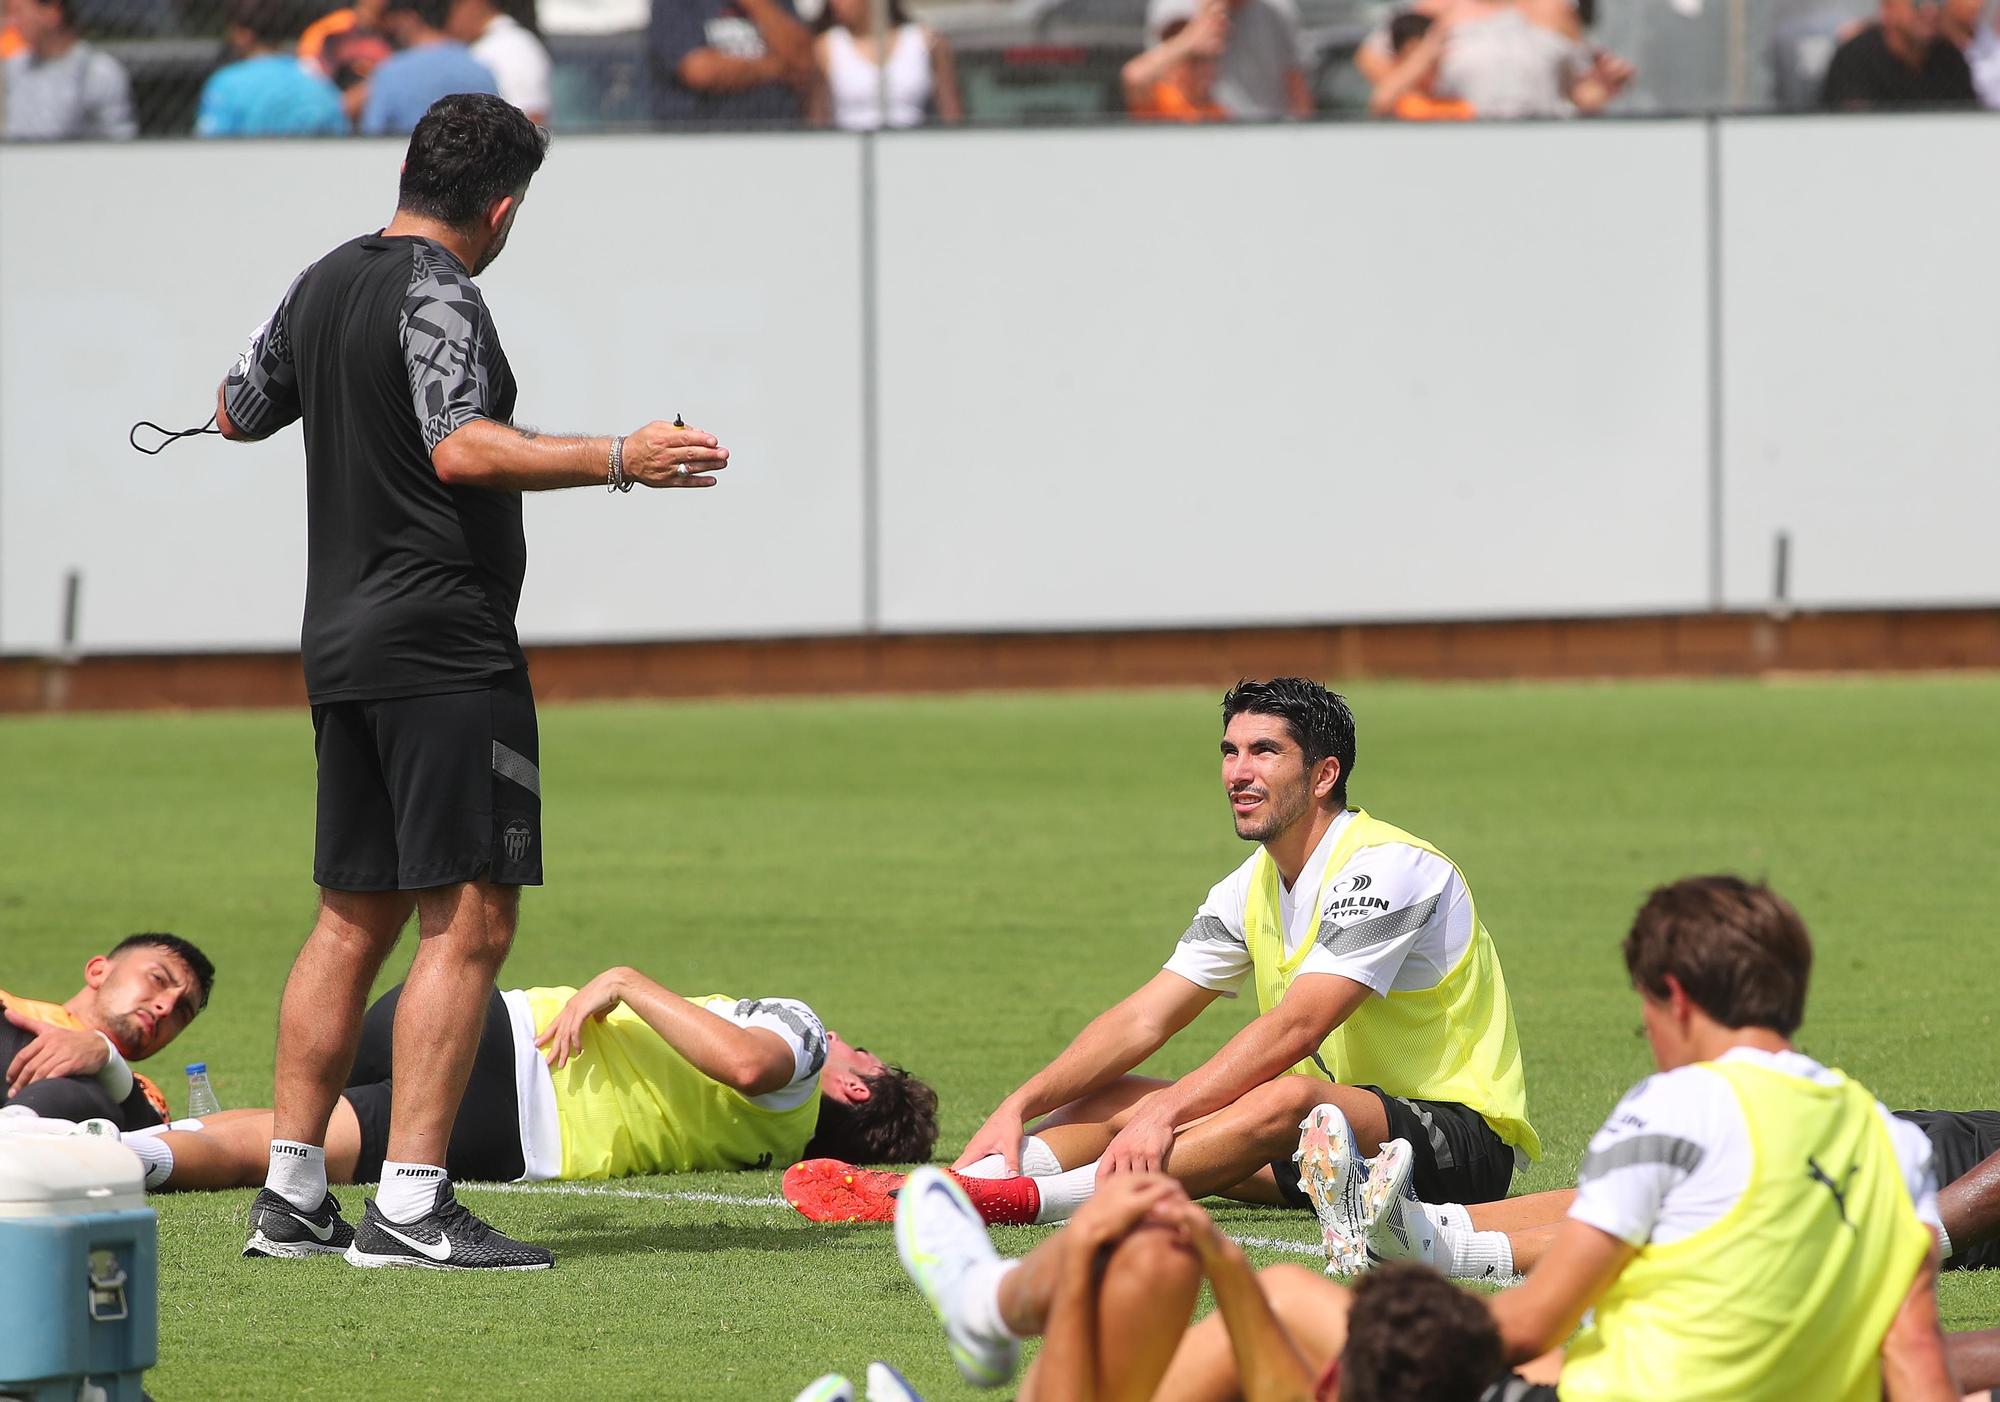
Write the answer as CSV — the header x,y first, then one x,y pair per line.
x,y
717,278
1167,377
1860,360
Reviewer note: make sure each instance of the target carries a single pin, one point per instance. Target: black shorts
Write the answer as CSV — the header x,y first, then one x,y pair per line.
x,y
420,791
486,1136
1454,1154
1960,1141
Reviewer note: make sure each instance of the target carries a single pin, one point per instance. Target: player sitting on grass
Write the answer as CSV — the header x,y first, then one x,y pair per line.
x,y
71,1060
619,1077
1112,1291
1379,990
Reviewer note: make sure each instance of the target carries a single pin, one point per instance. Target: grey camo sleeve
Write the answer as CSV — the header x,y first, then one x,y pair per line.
x,y
447,340
261,392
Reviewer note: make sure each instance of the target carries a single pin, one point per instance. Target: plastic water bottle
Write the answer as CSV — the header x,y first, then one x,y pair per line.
x,y
201,1095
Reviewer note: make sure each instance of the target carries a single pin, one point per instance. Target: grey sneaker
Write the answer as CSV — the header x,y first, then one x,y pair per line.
x,y
279,1229
447,1238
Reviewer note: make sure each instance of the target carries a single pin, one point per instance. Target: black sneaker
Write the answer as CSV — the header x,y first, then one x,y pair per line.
x,y
279,1229
447,1238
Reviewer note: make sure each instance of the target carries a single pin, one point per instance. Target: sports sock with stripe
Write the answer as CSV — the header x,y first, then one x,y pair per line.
x,y
408,1191
297,1173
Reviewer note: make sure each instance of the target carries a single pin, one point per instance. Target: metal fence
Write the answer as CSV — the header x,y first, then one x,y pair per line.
x,y
1016,60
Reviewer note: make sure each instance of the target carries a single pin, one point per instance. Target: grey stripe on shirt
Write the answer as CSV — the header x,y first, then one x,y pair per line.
x,y
1348,939
1668,1149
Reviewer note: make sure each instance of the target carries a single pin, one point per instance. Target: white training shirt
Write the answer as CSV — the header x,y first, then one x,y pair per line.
x,y
518,62
1398,918
535,1090
1675,1155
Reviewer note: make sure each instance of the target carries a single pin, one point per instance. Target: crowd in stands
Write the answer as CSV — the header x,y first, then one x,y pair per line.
x,y
373,66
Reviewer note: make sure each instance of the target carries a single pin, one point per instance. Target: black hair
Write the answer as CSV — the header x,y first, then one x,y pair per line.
x,y
1412,1333
898,17
1319,720
270,21
469,150
897,1123
432,12
1406,28
197,962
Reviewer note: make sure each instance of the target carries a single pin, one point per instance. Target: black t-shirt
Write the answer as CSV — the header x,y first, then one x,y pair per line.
x,y
1864,73
385,346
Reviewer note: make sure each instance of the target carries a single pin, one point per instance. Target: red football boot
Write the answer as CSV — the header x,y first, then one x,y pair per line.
x,y
827,1190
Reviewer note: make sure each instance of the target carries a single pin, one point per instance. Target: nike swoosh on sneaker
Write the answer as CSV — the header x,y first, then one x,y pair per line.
x,y
439,1250
323,1233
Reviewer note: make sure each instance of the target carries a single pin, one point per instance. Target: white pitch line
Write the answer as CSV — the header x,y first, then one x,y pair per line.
x,y
586,1190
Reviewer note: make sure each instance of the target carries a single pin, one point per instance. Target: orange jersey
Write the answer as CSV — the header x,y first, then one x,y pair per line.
x,y
1168,103
1419,107
56,1015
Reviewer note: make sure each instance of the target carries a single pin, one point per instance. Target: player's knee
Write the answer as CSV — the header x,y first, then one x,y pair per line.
x,y
1279,1105
1153,1258
68,1098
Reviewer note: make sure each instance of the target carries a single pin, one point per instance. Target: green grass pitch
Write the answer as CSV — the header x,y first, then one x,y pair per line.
x,y
959,883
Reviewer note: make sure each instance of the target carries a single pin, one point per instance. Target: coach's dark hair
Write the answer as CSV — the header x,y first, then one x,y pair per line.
x,y
1406,28
469,150
1318,719
1737,947
197,962
1412,1333
897,1123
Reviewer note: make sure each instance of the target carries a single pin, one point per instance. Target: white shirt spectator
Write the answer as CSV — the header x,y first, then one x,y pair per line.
x,y
82,94
592,16
856,85
1983,56
518,62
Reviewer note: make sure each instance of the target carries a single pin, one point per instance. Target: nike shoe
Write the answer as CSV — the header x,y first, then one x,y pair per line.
x,y
827,1387
279,1229
885,1384
940,1238
1398,1227
1333,1174
447,1238
828,1190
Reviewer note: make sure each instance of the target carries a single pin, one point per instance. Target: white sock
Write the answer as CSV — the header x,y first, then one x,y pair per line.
x,y
154,1153
1478,1255
1038,1160
1448,1216
978,1303
1944,1241
297,1173
409,1190
1064,1193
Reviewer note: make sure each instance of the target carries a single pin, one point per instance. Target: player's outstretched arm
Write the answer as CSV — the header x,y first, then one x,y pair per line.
x,y
749,1060
1544,1310
483,453
1112,1044
1914,1367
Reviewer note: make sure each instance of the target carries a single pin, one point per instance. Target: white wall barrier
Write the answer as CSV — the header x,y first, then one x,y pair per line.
x,y
1122,377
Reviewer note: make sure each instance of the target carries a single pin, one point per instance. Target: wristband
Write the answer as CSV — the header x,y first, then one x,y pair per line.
x,y
114,1075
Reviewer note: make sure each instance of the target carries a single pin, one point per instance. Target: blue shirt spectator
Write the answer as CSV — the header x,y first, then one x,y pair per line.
x,y
428,65
269,94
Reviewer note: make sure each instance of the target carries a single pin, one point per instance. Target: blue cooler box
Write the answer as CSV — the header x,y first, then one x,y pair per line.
x,y
79,1268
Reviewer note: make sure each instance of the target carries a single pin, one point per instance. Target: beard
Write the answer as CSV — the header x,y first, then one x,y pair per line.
x,y
129,1033
1281,809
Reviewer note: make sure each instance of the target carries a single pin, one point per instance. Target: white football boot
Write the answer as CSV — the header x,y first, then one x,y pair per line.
x,y
1333,1173
940,1237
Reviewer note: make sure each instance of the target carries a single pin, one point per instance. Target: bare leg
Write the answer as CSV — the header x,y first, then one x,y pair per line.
x,y
1238,1141
466,931
231,1150
1975,1359
319,1020
1101,1106
1970,1206
1146,1290
1311,1309
1523,1213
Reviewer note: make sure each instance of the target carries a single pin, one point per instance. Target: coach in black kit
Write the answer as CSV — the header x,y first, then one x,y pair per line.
x,y
424,723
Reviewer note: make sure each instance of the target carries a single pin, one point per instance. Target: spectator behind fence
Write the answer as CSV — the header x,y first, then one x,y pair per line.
x,y
268,90
856,81
346,45
1261,71
1174,81
59,87
731,61
428,64
1977,36
1408,91
510,51
1901,60
1510,58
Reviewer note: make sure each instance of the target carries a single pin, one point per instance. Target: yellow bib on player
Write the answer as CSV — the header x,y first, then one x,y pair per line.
x,y
1454,1042
1788,1296
632,1104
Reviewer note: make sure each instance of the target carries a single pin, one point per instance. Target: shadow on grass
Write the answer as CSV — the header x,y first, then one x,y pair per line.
x,y
587,1237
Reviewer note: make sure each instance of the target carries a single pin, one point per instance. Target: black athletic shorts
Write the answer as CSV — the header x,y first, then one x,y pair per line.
x,y
1454,1154
1960,1141
420,791
486,1136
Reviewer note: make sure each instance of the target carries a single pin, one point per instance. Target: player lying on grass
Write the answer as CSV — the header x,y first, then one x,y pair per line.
x,y
72,1060
1111,1294
619,1077
1750,1226
1379,990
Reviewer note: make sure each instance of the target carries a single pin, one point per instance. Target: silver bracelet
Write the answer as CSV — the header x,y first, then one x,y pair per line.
x,y
614,477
